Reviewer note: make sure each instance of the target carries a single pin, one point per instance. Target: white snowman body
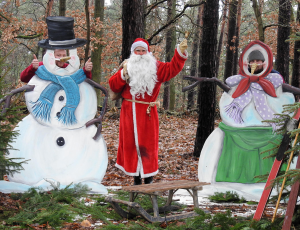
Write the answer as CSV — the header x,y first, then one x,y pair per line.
x,y
213,146
212,149
58,152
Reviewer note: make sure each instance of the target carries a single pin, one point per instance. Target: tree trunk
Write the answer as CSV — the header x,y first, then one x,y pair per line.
x,y
49,8
296,63
166,95
207,93
88,31
220,46
170,47
231,39
237,39
258,11
194,57
282,59
132,24
62,7
97,52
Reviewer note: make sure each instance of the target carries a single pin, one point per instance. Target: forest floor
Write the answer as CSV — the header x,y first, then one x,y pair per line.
x,y
176,162
175,156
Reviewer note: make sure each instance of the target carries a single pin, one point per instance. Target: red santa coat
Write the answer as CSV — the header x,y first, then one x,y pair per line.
x,y
138,133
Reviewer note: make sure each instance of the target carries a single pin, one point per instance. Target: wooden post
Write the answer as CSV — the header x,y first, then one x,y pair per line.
x,y
195,197
155,205
170,197
292,203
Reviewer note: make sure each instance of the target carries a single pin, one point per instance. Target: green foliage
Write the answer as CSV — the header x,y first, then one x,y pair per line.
x,y
228,196
54,207
8,120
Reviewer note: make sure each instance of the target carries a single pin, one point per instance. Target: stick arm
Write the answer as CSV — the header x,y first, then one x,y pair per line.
x,y
104,106
291,89
221,84
7,99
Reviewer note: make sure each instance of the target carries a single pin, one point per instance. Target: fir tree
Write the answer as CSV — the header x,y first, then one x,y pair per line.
x,y
8,119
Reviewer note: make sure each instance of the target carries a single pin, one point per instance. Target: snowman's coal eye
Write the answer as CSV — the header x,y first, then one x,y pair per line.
x,y
60,141
58,114
61,98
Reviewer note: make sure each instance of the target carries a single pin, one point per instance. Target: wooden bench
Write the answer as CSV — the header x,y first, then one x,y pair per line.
x,y
154,190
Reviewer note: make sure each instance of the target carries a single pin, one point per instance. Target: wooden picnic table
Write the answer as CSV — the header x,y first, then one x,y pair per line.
x,y
153,191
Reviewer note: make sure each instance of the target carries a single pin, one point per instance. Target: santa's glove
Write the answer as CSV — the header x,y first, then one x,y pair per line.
x,y
125,72
183,46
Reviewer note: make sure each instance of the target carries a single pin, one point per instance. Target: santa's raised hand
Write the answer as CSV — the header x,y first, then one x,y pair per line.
x,y
88,65
35,62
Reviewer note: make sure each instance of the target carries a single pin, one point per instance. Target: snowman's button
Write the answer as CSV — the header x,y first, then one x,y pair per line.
x,y
58,114
61,98
60,141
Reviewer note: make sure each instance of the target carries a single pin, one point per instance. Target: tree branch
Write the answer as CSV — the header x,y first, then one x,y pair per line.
x,y
153,6
173,20
29,36
4,17
28,48
265,27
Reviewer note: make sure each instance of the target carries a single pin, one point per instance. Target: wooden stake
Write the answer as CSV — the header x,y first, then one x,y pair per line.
x,y
284,179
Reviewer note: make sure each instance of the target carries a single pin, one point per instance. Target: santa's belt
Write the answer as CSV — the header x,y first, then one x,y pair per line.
x,y
151,104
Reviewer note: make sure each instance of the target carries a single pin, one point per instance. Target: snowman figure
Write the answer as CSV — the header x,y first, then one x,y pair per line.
x,y
59,137
230,157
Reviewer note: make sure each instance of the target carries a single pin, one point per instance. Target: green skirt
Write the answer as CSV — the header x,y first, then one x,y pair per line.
x,y
241,160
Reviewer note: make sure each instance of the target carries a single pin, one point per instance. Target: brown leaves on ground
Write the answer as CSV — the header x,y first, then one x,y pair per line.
x,y
175,156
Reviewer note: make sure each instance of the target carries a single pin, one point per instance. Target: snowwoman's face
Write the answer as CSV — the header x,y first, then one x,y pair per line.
x,y
259,66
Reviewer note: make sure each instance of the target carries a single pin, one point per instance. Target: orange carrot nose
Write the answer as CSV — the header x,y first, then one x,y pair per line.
x,y
253,67
64,59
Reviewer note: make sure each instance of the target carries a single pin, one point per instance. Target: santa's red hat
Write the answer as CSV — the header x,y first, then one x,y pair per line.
x,y
140,42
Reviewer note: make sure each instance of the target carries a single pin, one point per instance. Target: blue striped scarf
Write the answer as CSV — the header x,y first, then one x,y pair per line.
x,y
42,107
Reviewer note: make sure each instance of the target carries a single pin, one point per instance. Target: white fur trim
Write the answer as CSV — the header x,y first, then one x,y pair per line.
x,y
122,76
127,173
149,174
136,139
139,43
136,173
185,55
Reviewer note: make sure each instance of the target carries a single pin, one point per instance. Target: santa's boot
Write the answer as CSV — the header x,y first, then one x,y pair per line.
x,y
137,180
148,180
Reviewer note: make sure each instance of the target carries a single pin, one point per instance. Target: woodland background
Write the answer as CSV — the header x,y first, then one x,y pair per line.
x,y
219,30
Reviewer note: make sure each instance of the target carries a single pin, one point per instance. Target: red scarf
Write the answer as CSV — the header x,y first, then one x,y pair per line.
x,y
246,82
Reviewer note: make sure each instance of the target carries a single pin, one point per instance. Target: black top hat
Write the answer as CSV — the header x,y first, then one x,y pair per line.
x,y
61,34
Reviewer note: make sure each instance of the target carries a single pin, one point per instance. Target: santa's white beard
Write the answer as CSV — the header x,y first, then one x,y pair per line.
x,y
142,72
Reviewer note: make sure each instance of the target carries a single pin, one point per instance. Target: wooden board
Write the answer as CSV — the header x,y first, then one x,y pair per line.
x,y
164,186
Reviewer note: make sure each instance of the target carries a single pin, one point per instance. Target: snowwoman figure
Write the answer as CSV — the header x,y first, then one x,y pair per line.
x,y
59,137
230,158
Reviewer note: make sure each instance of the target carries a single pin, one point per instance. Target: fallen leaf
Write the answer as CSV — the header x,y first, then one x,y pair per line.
x,y
85,223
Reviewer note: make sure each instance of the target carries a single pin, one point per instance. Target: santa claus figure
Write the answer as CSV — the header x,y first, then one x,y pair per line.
x,y
139,126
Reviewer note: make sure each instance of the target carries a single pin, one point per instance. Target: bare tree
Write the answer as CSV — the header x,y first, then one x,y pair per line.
x,y
88,30
133,24
282,59
296,63
231,39
237,38
169,87
62,7
207,92
96,54
220,46
258,12
194,56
